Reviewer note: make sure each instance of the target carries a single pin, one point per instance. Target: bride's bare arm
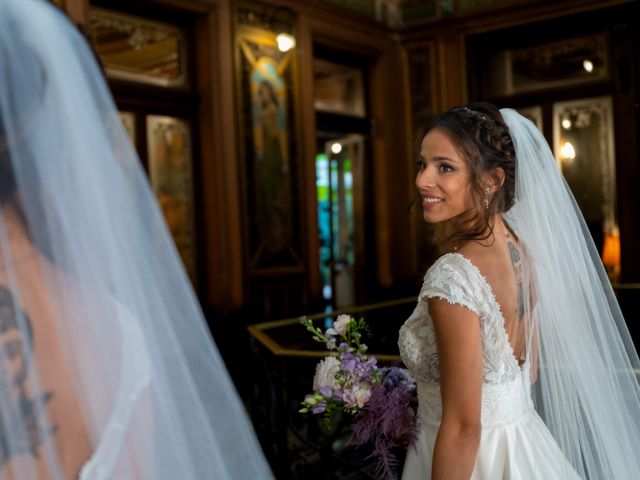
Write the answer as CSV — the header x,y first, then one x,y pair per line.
x,y
458,340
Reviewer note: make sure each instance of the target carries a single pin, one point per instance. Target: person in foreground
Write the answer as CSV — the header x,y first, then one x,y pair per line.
x,y
107,369
524,363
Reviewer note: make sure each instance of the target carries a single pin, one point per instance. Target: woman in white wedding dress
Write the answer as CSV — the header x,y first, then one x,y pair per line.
x,y
524,365
107,367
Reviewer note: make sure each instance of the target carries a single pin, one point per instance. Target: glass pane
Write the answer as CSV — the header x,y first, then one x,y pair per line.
x,y
337,195
338,89
170,171
566,62
139,50
584,148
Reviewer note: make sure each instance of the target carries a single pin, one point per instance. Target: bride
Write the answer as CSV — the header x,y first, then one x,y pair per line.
x,y
107,368
524,364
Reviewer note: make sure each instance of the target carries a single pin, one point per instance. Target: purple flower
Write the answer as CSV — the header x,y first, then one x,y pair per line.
x,y
395,376
387,420
357,365
326,391
320,408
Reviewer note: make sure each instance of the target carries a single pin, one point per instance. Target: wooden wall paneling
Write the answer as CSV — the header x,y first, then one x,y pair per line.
x,y
222,285
422,80
78,11
450,36
625,63
407,94
275,264
413,243
380,143
304,51
324,13
400,168
222,213
387,137
451,69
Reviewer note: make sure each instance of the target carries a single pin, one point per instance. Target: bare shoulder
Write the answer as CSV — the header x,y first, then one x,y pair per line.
x,y
483,257
492,261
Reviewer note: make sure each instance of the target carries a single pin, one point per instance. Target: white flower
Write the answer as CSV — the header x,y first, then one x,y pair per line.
x,y
357,395
331,332
362,396
326,373
340,325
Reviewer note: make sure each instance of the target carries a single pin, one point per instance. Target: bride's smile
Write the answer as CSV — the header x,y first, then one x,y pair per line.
x,y
442,179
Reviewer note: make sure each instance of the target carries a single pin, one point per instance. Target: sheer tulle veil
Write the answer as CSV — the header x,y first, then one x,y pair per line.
x,y
586,388
96,311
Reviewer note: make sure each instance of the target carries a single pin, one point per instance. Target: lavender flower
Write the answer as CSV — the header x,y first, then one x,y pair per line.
x,y
378,398
341,324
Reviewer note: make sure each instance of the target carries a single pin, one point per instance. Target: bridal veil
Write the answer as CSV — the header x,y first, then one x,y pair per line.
x,y
96,310
587,389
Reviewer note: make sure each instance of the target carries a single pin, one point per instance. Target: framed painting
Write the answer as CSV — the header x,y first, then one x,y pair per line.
x,y
267,125
129,123
171,175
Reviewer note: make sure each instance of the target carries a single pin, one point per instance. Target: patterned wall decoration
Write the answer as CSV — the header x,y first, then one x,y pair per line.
x,y
266,99
363,7
399,13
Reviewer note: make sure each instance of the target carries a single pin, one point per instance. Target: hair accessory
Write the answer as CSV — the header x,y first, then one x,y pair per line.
x,y
475,114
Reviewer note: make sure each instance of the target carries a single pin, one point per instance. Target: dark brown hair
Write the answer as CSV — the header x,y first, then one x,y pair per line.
x,y
481,136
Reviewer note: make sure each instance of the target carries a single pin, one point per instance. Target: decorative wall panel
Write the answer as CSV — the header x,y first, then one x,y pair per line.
x,y
267,99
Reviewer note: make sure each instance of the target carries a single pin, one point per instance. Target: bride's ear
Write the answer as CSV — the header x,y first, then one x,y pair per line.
x,y
493,180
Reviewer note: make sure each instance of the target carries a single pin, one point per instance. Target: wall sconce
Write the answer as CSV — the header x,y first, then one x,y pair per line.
x,y
567,153
285,41
611,254
276,19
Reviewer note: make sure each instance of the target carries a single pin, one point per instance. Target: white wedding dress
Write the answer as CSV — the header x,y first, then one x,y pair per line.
x,y
515,443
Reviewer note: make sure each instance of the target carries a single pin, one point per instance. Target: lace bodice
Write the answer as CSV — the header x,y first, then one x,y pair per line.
x,y
506,395
455,279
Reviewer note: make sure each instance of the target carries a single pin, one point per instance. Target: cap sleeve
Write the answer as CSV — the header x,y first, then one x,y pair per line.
x,y
452,278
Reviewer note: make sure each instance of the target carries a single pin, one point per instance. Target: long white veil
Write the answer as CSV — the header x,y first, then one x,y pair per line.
x,y
587,391
107,368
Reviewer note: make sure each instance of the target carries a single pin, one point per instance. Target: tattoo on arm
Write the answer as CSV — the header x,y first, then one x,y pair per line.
x,y
517,269
22,414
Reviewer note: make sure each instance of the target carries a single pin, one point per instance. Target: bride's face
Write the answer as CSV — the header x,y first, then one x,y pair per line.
x,y
443,178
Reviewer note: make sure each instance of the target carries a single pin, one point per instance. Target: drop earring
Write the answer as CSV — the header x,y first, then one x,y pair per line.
x,y
486,199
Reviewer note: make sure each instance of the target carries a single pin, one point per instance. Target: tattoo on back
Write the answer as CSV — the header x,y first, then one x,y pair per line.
x,y
517,268
21,413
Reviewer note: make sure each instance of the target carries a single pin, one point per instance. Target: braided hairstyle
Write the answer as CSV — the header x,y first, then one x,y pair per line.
x,y
482,138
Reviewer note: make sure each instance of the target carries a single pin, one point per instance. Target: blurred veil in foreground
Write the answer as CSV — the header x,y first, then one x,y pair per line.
x,y
107,368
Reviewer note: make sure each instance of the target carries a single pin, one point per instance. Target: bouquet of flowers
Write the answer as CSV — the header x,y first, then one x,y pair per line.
x,y
377,398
